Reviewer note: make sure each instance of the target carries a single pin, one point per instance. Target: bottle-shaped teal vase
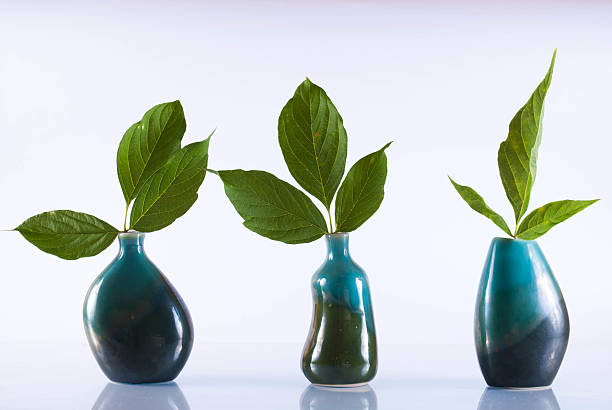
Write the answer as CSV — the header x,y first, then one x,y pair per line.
x,y
137,325
341,346
521,322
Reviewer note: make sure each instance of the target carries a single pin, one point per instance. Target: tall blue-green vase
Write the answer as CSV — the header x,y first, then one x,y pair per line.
x,y
521,322
137,325
341,346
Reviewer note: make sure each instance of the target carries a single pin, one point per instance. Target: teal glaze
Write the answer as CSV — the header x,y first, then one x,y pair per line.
x,y
137,325
521,321
341,346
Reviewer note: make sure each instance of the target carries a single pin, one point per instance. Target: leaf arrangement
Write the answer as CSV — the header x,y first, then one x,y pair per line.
x,y
156,174
313,141
517,162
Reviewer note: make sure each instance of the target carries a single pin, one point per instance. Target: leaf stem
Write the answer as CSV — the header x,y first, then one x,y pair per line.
x,y
515,230
331,227
125,218
212,171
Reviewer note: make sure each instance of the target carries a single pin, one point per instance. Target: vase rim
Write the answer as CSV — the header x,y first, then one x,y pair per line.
x,y
503,238
337,234
131,234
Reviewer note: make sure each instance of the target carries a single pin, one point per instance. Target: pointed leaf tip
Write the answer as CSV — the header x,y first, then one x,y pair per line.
x,y
272,207
477,203
172,190
362,191
148,144
518,154
541,220
313,141
68,234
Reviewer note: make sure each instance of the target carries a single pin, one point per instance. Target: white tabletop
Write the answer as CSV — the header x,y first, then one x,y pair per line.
x,y
239,376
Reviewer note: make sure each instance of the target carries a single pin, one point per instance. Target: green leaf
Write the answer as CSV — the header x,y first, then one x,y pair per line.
x,y
68,234
362,191
148,144
172,190
273,208
313,141
538,222
478,204
518,154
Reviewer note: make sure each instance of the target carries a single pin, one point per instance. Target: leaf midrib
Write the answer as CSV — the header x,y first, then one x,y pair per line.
x,y
278,207
158,197
358,198
148,158
314,147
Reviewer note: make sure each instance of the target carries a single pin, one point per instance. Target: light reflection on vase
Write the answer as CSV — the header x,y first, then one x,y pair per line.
x,y
507,399
338,398
164,396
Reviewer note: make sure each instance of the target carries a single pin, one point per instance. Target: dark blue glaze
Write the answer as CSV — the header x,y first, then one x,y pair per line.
x,y
137,325
330,398
341,345
521,322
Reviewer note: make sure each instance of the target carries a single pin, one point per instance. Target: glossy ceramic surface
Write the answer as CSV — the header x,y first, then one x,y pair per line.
x,y
137,325
341,346
521,323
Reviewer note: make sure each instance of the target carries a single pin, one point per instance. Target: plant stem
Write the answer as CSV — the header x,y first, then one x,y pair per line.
x,y
331,227
125,218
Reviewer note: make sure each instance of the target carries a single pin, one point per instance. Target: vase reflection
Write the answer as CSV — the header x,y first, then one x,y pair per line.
x,y
165,396
511,399
335,398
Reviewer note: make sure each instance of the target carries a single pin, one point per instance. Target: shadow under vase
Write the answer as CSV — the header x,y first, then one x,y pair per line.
x,y
507,399
333,398
162,396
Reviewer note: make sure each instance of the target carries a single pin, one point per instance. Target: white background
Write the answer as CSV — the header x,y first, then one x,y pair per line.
x,y
441,79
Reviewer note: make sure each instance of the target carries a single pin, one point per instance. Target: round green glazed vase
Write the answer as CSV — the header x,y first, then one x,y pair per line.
x,y
521,322
137,325
340,350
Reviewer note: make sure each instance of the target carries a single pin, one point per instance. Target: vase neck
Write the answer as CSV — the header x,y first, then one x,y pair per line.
x,y
337,246
131,242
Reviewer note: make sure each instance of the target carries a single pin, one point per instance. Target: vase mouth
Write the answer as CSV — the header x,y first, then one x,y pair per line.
x,y
337,234
131,234
513,240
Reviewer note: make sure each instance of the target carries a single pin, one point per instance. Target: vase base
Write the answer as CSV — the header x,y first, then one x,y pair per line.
x,y
521,388
340,386
129,383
